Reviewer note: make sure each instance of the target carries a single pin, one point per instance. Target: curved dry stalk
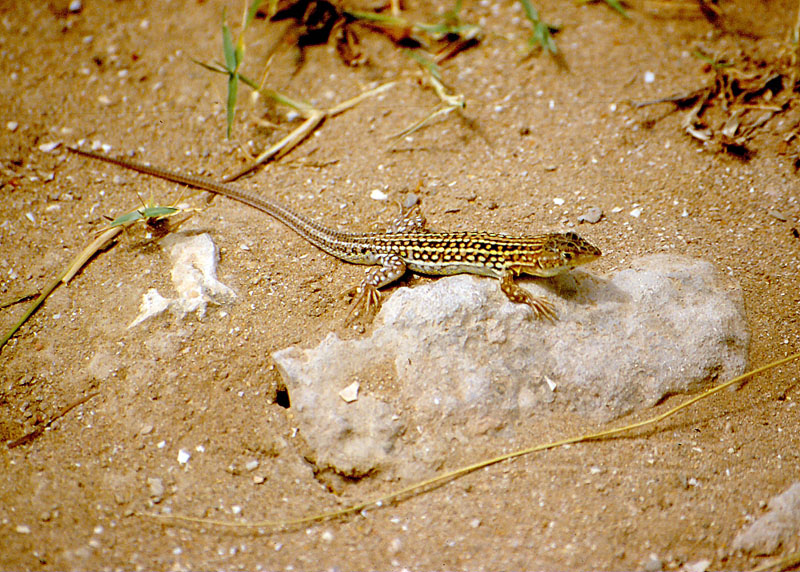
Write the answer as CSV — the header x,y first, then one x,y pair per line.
x,y
427,484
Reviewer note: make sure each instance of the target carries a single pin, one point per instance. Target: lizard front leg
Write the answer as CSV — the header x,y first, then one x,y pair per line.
x,y
541,307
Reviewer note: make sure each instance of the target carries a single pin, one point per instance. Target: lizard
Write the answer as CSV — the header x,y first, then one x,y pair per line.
x,y
409,245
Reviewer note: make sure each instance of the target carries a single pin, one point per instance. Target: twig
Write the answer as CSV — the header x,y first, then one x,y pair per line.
x,y
28,437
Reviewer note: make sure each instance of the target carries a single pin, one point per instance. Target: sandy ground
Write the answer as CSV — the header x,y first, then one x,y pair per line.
x,y
121,73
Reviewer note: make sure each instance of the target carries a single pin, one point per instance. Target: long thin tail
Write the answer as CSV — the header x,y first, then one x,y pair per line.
x,y
314,232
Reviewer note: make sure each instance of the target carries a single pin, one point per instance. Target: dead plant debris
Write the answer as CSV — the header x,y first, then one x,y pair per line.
x,y
745,94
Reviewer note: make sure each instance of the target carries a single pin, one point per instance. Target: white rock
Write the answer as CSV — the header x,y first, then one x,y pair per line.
x,y
350,393
775,528
152,304
671,324
194,273
184,456
49,147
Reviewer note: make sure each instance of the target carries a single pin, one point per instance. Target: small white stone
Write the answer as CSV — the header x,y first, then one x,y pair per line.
x,y
23,529
184,456
30,217
350,393
378,195
636,213
251,465
550,383
616,210
98,529
558,201
200,449
12,126
49,147
161,444
75,6
104,100
327,536
649,77
236,509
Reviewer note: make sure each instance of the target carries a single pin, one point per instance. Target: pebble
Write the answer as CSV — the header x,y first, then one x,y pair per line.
x,y
378,195
636,213
778,215
395,546
156,487
258,480
592,215
75,6
699,566
104,100
252,465
327,536
146,429
49,147
350,393
12,126
23,529
558,201
184,456
649,77
653,564
410,200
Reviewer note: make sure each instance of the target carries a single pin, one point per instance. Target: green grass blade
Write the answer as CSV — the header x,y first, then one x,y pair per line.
x,y
617,5
542,32
233,88
251,12
228,48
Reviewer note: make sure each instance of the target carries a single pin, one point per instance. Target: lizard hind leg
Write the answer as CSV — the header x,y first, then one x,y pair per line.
x,y
392,268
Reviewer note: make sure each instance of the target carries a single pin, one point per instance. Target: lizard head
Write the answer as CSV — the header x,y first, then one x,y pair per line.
x,y
557,253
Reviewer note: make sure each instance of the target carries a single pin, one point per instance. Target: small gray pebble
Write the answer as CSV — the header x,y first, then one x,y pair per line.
x,y
156,487
653,564
591,215
778,215
410,200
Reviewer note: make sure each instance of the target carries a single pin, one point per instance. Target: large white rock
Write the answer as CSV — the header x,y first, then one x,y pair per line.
x,y
465,361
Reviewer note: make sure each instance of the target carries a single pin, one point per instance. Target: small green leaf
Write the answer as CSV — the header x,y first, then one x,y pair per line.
x,y
126,218
158,211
